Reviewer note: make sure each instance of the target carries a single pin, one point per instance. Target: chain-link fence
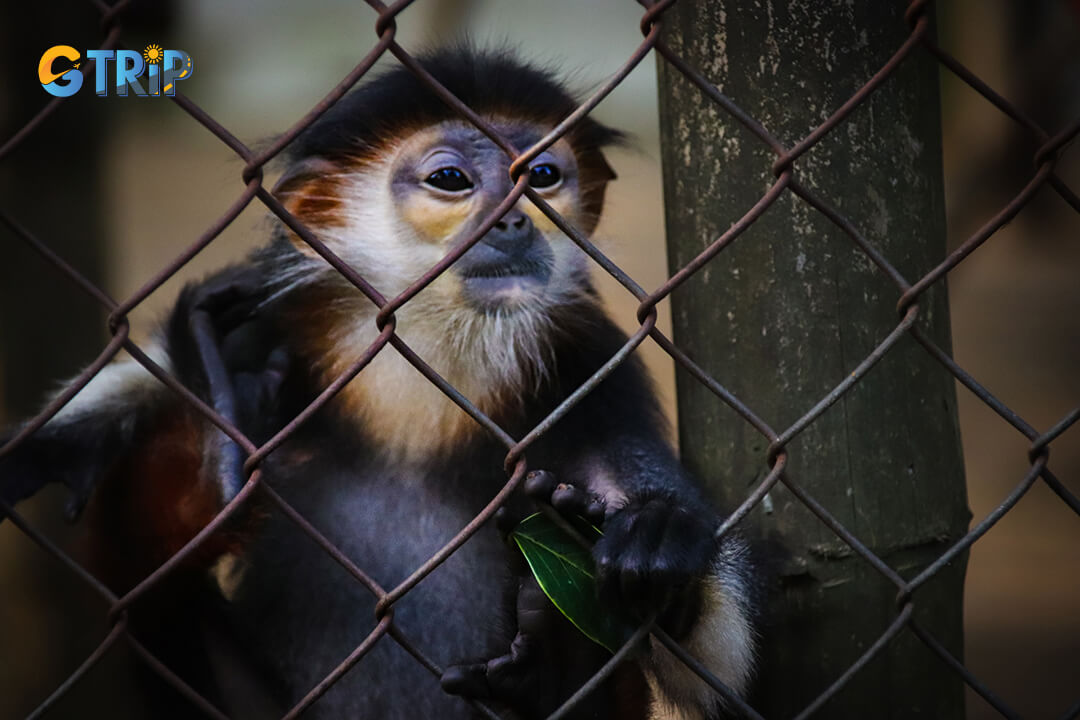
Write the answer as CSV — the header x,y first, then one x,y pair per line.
x,y
1049,146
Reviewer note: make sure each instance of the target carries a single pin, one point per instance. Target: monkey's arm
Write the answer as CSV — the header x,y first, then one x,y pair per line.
x,y
161,469
659,554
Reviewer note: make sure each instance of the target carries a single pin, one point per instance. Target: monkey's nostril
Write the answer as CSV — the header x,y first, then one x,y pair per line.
x,y
514,220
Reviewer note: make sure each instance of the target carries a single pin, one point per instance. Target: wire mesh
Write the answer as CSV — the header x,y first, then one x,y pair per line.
x,y
1050,145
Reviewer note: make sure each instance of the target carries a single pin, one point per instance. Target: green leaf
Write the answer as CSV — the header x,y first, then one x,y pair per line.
x,y
567,575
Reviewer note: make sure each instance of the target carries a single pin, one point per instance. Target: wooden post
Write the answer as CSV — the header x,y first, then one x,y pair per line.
x,y
787,312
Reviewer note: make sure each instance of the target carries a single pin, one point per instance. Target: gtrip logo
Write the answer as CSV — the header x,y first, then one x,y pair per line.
x,y
59,73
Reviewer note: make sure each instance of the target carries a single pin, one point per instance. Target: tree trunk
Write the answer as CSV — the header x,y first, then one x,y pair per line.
x,y
790,309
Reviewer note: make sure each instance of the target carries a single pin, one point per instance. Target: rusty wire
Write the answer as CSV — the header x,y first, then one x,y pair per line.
x,y
515,463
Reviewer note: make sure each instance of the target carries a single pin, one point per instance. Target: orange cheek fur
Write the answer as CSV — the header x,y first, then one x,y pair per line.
x,y
561,203
317,203
435,221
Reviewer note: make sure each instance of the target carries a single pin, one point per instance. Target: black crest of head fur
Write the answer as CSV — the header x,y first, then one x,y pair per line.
x,y
490,82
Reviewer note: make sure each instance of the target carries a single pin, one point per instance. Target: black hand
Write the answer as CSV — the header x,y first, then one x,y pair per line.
x,y
652,552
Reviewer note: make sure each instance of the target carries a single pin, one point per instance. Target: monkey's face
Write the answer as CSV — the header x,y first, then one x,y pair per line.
x,y
445,180
393,212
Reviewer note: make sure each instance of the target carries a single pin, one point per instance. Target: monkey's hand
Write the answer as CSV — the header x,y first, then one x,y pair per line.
x,y
537,674
512,674
251,363
217,335
653,552
652,557
659,554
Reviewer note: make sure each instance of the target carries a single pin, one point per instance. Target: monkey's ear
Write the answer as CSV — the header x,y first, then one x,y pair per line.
x,y
605,169
311,190
596,173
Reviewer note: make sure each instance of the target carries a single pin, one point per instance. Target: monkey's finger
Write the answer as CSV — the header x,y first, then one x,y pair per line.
x,y
510,677
505,522
18,480
570,500
628,570
503,678
466,680
535,615
539,484
595,511
232,293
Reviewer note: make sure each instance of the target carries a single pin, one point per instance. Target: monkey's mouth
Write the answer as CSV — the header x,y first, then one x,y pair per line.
x,y
489,286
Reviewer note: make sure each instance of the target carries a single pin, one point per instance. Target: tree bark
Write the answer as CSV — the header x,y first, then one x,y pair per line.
x,y
790,309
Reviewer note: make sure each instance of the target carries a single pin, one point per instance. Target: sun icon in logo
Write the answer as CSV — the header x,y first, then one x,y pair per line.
x,y
152,53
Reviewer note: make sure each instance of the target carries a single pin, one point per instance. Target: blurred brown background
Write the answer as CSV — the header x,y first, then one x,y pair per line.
x,y
155,180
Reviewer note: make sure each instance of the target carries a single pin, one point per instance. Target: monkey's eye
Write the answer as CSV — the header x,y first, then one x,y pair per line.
x,y
450,179
543,176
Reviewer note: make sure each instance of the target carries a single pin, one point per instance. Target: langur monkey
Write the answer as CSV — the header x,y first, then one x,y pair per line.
x,y
390,179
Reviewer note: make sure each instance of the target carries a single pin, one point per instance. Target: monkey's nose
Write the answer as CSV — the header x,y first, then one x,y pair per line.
x,y
513,234
513,219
